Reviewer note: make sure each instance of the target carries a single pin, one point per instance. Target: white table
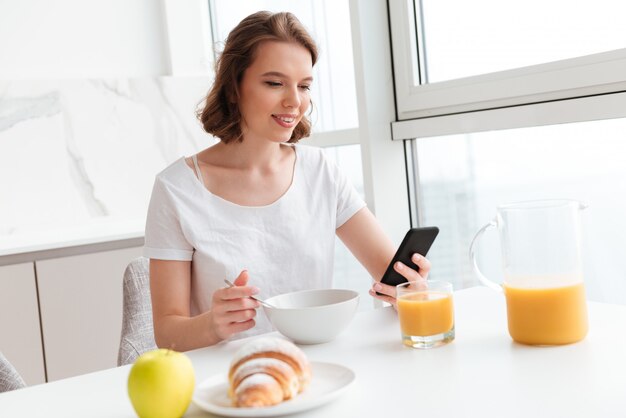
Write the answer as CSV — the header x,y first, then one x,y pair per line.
x,y
483,373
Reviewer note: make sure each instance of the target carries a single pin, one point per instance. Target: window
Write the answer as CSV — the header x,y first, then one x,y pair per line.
x,y
462,39
452,56
527,101
464,177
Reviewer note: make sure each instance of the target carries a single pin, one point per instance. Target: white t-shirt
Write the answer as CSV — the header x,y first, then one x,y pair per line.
x,y
286,246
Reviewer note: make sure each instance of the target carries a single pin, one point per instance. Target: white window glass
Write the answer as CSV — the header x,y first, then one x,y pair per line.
x,y
464,177
333,90
487,54
465,38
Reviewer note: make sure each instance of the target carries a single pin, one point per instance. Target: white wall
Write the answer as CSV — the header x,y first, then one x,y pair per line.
x,y
87,87
52,39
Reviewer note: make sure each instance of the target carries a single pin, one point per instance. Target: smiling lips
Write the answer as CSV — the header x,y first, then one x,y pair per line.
x,y
285,120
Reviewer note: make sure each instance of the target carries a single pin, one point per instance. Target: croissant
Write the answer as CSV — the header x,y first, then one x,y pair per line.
x,y
267,371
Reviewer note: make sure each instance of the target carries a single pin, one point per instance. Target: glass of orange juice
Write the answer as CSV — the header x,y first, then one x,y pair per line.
x,y
426,313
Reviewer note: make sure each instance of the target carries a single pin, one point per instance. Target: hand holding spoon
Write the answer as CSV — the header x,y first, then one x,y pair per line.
x,y
262,302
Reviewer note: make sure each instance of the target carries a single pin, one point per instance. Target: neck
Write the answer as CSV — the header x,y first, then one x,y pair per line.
x,y
252,154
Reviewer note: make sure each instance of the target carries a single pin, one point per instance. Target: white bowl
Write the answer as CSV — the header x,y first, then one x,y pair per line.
x,y
312,316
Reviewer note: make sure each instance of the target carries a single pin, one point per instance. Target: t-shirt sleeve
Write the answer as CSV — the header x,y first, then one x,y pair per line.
x,y
349,202
164,237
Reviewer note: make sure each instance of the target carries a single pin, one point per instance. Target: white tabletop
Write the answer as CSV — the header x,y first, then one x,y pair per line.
x,y
483,373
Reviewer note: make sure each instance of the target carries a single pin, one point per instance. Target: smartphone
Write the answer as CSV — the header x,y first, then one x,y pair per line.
x,y
416,240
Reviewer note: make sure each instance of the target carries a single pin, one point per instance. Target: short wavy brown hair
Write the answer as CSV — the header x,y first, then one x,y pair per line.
x,y
220,115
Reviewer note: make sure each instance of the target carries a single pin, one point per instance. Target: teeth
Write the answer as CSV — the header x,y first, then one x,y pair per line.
x,y
286,120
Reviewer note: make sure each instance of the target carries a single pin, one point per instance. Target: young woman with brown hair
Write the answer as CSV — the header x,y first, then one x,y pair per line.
x,y
257,207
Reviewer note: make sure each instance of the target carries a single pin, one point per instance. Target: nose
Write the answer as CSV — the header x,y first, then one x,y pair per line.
x,y
292,98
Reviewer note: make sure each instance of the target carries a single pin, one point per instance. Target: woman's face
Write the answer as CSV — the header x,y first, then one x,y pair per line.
x,y
274,91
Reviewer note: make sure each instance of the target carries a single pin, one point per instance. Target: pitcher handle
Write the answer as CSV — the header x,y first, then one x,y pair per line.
x,y
472,255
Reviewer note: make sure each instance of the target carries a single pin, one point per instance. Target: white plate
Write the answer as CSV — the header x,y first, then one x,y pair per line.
x,y
327,383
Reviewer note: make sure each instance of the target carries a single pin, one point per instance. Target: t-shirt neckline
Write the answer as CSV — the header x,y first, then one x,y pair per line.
x,y
233,204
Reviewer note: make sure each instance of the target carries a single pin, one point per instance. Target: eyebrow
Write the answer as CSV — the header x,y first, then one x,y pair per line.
x,y
278,74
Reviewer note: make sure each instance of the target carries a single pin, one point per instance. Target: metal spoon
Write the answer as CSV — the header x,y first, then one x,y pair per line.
x,y
262,302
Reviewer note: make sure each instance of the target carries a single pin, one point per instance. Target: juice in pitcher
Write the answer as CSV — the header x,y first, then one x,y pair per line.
x,y
547,316
543,270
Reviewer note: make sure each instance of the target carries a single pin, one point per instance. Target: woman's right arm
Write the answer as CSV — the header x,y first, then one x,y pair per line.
x,y
232,311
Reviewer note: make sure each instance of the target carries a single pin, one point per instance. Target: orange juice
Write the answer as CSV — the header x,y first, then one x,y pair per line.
x,y
425,313
549,316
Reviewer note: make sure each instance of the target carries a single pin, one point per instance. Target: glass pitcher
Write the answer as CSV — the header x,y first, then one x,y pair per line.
x,y
543,277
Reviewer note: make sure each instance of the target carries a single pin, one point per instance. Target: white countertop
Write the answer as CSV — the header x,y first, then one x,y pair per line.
x,y
483,373
43,240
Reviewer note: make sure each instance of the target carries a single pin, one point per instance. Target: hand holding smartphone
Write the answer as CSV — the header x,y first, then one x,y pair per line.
x,y
416,240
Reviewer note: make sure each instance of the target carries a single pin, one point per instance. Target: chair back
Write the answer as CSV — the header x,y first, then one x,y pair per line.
x,y
137,329
10,379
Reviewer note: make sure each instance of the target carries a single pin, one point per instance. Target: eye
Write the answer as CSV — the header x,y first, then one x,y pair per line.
x,y
305,87
273,83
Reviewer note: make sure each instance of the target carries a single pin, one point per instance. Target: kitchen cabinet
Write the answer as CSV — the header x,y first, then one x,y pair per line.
x,y
81,310
20,333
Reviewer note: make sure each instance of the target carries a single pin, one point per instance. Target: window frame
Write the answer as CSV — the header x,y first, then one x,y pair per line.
x,y
188,26
580,77
607,106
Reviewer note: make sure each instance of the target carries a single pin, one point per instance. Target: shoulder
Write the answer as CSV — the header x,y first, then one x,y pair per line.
x,y
173,172
317,167
177,179
313,157
309,151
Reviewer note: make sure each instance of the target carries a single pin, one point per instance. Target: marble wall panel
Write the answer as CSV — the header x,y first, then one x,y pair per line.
x,y
75,152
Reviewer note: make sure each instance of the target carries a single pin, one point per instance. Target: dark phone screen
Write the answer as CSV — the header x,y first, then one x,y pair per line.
x,y
416,240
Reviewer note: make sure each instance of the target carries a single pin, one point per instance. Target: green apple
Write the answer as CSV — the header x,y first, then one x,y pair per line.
x,y
160,384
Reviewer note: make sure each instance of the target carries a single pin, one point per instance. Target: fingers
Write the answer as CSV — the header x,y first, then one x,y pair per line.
x,y
233,310
384,289
236,292
227,323
225,330
423,264
237,327
233,305
383,292
242,279
235,316
412,275
235,298
240,290
387,293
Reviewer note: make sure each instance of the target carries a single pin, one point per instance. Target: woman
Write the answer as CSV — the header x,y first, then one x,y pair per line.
x,y
255,208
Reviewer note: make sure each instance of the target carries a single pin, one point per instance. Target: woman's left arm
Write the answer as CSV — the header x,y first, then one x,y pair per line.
x,y
366,240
